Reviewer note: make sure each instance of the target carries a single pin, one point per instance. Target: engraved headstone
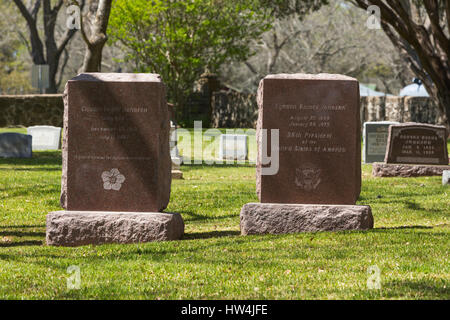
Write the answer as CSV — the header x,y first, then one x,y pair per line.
x,y
417,143
45,137
116,163
310,124
116,143
375,135
319,139
233,147
15,145
414,150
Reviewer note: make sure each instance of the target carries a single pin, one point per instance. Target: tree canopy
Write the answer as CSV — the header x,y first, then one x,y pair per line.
x,y
181,39
420,30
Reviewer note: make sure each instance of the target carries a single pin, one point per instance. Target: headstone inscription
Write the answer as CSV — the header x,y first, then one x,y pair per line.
x,y
375,137
233,147
413,150
116,162
15,145
319,149
417,143
116,151
45,137
319,156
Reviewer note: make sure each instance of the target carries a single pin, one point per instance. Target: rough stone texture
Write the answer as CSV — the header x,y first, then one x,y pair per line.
x,y
262,218
380,169
31,110
75,228
232,109
115,143
319,139
15,145
446,177
417,143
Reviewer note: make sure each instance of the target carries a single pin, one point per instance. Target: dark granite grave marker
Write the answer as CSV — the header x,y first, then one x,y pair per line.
x,y
319,132
116,144
417,143
319,156
15,145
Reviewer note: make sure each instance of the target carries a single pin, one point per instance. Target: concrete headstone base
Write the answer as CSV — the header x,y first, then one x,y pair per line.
x,y
77,228
380,169
177,174
274,218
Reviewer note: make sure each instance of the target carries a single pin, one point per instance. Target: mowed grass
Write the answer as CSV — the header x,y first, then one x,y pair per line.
x,y
409,244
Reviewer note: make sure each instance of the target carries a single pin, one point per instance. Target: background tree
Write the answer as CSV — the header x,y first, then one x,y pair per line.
x,y
181,39
96,22
14,58
50,51
333,39
420,30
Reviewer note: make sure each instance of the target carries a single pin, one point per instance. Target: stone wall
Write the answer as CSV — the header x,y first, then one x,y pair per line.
x,y
231,109
31,110
401,109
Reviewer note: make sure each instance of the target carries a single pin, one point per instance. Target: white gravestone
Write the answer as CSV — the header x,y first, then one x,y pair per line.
x,y
174,154
446,178
375,137
45,137
233,147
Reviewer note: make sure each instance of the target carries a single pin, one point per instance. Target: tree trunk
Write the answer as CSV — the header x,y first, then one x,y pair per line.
x,y
425,45
97,39
52,50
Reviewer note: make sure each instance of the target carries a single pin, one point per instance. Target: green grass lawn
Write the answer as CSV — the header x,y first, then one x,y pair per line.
x,y
409,244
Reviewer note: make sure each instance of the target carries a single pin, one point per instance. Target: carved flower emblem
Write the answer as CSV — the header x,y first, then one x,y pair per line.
x,y
112,179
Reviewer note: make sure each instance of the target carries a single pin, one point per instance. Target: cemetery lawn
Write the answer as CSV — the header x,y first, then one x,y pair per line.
x,y
409,244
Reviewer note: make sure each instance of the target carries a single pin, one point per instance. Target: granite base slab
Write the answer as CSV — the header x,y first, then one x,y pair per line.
x,y
272,218
380,169
77,228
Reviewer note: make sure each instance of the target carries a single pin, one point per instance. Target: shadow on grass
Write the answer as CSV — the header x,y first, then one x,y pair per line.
x,y
32,169
18,192
427,289
39,158
21,234
5,231
198,217
23,226
22,243
211,234
204,165
403,227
